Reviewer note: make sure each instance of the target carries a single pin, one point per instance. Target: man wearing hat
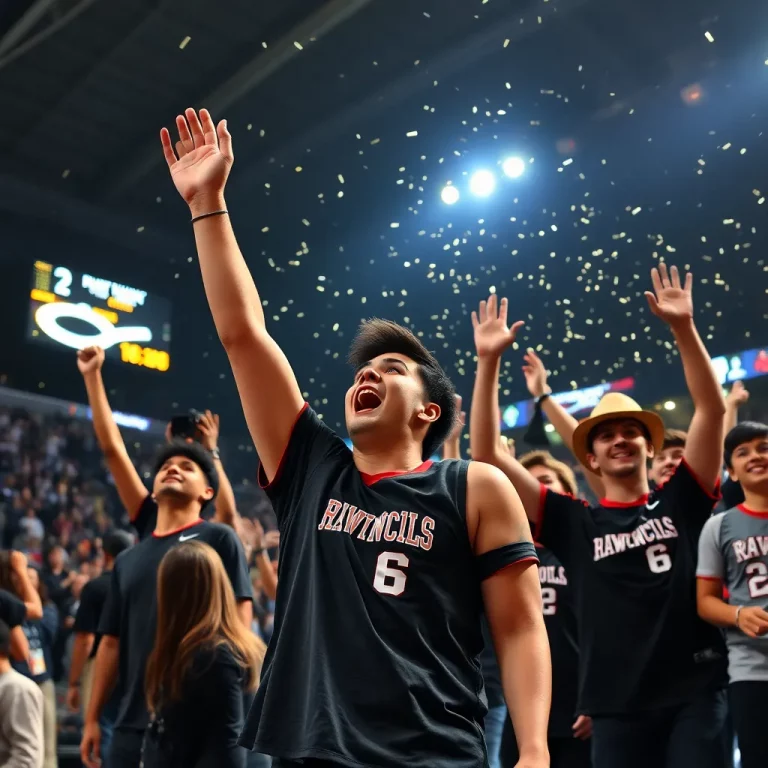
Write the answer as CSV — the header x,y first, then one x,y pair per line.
x,y
651,673
185,479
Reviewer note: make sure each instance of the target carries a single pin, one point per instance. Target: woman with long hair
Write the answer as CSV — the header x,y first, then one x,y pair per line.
x,y
202,662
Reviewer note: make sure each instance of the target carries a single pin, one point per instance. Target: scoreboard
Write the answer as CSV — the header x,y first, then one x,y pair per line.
x,y
74,310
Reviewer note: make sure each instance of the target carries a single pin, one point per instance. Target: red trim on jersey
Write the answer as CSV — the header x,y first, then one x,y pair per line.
x,y
371,479
178,530
264,484
639,502
751,512
713,494
542,507
708,578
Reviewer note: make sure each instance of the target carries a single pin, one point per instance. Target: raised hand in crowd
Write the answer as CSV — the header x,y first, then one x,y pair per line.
x,y
208,426
492,334
737,397
90,360
535,374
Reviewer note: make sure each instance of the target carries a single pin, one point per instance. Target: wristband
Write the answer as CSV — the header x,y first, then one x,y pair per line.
x,y
738,612
215,454
542,398
207,215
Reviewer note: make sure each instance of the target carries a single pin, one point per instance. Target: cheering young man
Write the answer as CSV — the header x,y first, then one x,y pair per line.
x,y
138,502
651,672
384,555
185,479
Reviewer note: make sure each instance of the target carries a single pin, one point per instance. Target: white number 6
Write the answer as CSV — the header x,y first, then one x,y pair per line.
x,y
388,580
658,559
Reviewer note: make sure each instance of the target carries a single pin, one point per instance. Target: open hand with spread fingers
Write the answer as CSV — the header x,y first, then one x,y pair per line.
x,y
535,374
492,336
671,300
202,158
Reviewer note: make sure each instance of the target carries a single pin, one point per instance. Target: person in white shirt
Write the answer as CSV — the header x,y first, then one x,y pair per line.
x,y
21,713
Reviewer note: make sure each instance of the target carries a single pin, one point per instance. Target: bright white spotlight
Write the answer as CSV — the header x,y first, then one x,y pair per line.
x,y
513,167
450,195
482,183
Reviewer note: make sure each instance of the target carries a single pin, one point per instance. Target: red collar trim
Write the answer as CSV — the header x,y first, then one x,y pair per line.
x,y
752,512
371,479
625,504
178,530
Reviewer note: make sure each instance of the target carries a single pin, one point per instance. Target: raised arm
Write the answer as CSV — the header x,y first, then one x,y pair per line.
x,y
492,337
131,490
735,399
672,302
565,425
268,388
512,601
226,507
26,590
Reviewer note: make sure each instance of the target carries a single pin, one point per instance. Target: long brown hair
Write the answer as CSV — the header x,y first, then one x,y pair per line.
x,y
195,610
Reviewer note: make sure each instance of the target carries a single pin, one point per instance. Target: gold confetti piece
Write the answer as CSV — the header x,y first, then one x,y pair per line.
x,y
185,42
298,169
305,222
637,210
709,37
65,173
298,45
568,161
375,141
506,42
411,134
140,229
394,225
265,229
727,146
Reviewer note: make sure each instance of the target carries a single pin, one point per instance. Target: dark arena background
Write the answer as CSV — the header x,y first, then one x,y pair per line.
x,y
400,159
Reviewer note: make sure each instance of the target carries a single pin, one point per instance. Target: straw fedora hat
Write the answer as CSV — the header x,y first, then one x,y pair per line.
x,y
615,405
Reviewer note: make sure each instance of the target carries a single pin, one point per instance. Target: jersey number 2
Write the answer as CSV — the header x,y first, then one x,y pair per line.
x,y
389,580
549,599
758,582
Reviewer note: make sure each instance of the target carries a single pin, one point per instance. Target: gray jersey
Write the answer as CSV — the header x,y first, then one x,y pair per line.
x,y
733,548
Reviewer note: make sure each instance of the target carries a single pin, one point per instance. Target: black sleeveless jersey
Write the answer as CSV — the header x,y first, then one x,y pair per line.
x,y
373,660
560,618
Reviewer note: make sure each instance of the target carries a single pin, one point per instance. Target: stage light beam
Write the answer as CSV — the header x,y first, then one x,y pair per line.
x,y
482,183
514,167
449,195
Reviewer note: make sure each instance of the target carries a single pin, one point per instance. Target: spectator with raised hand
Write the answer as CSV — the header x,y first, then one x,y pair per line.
x,y
14,578
631,559
137,500
536,379
738,396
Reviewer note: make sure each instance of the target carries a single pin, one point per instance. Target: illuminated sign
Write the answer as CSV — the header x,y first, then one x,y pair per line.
x,y
576,401
77,310
748,364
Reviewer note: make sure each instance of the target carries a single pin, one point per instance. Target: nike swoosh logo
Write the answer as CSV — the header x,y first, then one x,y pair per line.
x,y
187,538
652,506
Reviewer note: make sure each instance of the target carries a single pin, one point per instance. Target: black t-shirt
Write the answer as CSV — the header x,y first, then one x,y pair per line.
x,y
12,610
130,612
373,660
92,601
632,568
145,520
40,634
201,729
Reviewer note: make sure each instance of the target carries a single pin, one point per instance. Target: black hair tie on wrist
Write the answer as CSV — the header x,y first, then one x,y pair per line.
x,y
206,215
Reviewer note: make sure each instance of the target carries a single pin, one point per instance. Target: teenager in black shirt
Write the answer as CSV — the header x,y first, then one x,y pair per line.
x,y
139,503
651,672
185,479
12,612
87,638
387,559
202,661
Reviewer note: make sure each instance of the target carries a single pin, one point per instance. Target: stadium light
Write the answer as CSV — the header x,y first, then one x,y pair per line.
x,y
482,183
514,167
449,195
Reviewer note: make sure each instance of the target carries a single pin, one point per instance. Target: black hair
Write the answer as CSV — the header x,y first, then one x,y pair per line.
x,y
745,432
593,431
377,337
195,452
5,639
117,542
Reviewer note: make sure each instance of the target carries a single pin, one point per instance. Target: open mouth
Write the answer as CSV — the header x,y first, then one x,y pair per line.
x,y
621,455
754,469
366,400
